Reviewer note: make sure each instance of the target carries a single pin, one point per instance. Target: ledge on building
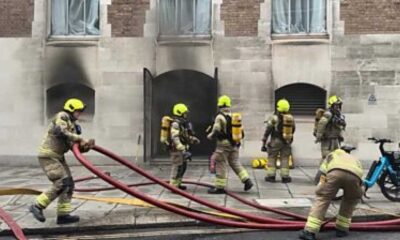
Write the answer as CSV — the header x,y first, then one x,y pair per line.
x,y
300,38
185,40
73,41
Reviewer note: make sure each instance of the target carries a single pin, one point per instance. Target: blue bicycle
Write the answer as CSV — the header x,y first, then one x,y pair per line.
x,y
385,171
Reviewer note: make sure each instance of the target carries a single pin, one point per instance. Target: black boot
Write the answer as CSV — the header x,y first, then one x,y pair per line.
x,y
65,219
182,187
286,179
306,235
341,233
270,179
37,212
215,190
248,184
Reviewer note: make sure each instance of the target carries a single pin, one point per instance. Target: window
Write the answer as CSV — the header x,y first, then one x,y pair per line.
x,y
75,17
304,98
184,17
298,16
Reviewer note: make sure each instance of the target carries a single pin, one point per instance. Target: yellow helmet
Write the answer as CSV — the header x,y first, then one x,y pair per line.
x,y
74,104
334,100
224,101
179,109
259,163
256,163
282,105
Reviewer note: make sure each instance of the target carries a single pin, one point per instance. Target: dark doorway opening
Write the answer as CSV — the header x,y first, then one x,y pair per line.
x,y
195,89
304,98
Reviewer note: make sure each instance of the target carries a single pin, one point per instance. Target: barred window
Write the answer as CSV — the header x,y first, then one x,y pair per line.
x,y
304,98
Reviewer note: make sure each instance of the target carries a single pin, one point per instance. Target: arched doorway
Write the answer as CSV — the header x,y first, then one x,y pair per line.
x,y
304,98
195,89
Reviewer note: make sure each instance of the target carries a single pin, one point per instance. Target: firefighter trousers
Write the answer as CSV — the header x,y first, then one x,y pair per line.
x,y
224,155
277,147
328,145
326,191
58,172
178,168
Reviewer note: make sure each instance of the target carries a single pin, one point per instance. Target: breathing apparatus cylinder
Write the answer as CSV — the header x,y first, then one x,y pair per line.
x,y
237,129
165,128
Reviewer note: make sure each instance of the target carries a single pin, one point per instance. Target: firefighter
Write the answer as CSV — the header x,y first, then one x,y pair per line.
x,y
280,128
182,136
330,128
63,131
340,170
227,149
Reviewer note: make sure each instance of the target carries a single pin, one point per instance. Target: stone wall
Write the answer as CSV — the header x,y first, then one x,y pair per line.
x,y
21,78
251,67
365,66
113,67
245,75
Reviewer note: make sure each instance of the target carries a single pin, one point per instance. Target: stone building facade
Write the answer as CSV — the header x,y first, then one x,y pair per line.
x,y
357,57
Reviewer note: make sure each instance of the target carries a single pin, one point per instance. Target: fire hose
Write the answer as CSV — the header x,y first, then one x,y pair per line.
x,y
229,193
12,224
133,192
233,218
122,161
274,224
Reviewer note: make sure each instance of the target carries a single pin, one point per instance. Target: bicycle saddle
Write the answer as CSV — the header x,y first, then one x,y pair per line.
x,y
347,148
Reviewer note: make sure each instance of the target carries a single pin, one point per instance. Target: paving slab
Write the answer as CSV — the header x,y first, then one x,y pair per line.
x,y
285,202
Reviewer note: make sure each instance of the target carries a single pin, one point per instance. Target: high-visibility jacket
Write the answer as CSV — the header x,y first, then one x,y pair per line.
x,y
339,159
220,128
327,128
181,134
277,126
61,134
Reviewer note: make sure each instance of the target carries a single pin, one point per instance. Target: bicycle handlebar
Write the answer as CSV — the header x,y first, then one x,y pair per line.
x,y
381,142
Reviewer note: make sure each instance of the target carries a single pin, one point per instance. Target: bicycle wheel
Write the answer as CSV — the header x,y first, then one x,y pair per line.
x,y
390,189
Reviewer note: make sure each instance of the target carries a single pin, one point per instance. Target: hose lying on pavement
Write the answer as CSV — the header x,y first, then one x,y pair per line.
x,y
255,205
229,193
133,192
124,201
251,217
265,223
271,224
12,224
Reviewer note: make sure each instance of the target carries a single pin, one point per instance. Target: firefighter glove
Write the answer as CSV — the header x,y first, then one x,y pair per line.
x,y
263,148
195,140
187,155
210,136
85,146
